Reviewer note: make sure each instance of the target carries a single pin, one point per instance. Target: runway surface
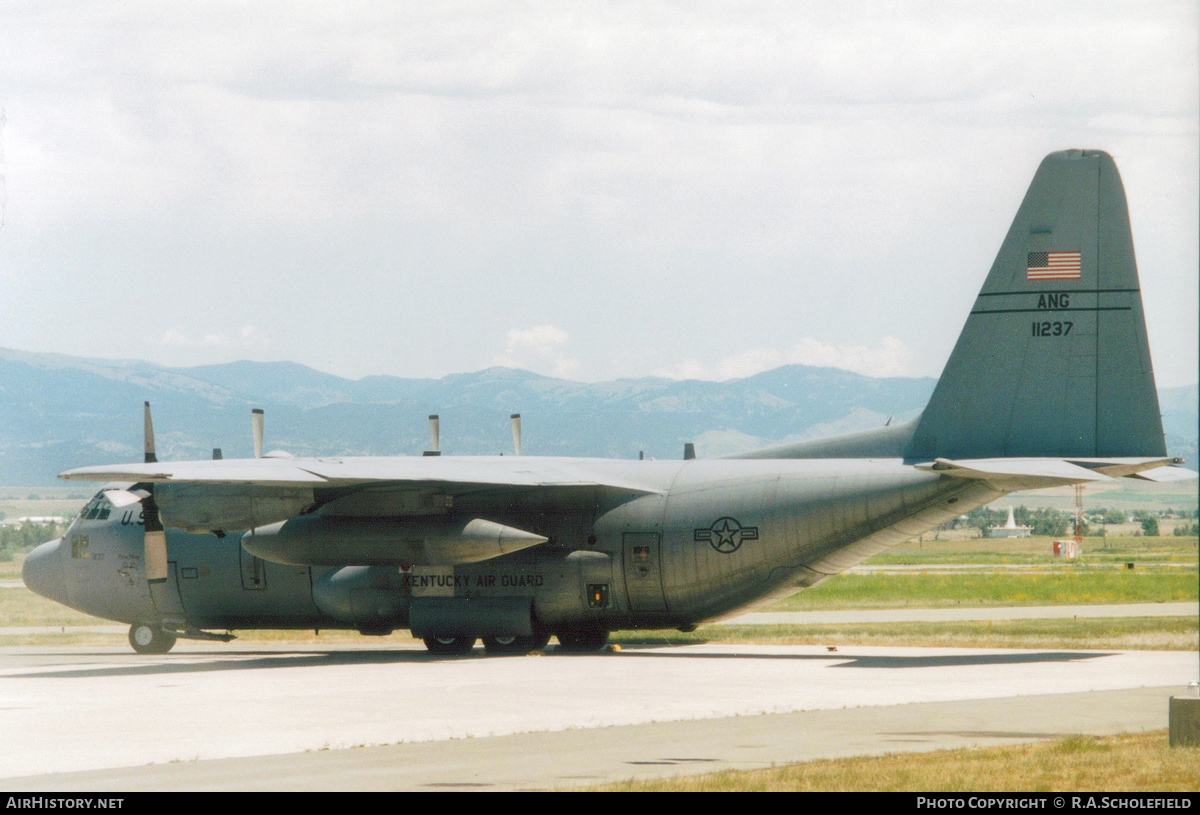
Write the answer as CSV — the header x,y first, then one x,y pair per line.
x,y
255,717
945,615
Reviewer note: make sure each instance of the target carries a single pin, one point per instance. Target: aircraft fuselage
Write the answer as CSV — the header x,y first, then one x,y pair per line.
x,y
717,537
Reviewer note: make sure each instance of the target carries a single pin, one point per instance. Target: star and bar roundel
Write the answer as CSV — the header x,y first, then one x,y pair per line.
x,y
726,534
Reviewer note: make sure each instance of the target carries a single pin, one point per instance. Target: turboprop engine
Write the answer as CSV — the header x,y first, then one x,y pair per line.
x,y
317,540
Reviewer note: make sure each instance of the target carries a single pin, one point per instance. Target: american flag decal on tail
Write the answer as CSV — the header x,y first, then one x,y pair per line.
x,y
1053,266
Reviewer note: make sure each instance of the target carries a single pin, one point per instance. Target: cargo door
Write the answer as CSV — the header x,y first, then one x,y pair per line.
x,y
643,572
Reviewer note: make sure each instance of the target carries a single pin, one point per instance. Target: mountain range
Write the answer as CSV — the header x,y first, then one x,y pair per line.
x,y
58,412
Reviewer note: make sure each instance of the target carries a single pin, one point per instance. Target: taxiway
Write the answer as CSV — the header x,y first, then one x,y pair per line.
x,y
287,717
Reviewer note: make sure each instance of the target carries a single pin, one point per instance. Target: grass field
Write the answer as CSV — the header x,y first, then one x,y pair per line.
x,y
1143,762
1037,550
924,590
23,607
1122,494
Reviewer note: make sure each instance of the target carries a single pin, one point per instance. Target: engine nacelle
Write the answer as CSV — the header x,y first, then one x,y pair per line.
x,y
316,540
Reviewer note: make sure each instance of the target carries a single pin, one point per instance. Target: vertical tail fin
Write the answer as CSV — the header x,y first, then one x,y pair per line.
x,y
1053,360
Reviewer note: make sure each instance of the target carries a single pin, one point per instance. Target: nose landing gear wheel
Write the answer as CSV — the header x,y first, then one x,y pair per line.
x,y
147,638
449,645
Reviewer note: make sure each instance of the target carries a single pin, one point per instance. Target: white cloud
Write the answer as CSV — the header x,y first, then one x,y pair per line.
x,y
246,338
538,349
178,335
890,357
349,161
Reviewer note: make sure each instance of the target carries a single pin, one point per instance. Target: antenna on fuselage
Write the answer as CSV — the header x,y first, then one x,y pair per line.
x,y
689,451
217,455
257,419
516,428
435,436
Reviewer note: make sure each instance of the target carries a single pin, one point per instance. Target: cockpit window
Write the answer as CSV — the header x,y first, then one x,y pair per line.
x,y
97,509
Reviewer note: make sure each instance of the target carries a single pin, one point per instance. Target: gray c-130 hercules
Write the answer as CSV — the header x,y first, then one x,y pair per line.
x,y
1050,383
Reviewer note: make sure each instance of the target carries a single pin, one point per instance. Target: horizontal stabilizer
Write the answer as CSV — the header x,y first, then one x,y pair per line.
x,y
1032,473
1167,474
1016,473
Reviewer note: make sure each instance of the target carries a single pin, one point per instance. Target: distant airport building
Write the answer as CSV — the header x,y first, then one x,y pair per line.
x,y
1066,548
34,519
1010,529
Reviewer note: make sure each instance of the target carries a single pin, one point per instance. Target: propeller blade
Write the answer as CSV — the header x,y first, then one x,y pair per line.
x,y
148,435
154,541
154,538
256,424
516,428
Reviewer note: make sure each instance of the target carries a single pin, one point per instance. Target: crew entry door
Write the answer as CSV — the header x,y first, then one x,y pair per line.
x,y
643,572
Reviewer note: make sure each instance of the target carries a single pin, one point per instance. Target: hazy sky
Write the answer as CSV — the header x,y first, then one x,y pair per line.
x,y
588,190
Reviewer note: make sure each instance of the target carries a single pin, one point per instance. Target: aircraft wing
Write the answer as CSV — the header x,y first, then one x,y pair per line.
x,y
235,494
399,471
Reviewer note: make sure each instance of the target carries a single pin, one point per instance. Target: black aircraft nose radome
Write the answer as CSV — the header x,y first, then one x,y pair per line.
x,y
43,571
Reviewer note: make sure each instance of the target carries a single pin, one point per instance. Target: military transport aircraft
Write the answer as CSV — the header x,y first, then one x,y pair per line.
x,y
1049,384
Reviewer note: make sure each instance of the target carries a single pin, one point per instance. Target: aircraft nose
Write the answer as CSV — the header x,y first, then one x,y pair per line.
x,y
43,571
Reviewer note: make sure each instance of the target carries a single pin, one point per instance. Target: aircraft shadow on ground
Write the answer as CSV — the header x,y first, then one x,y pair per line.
x,y
231,661
849,660
260,660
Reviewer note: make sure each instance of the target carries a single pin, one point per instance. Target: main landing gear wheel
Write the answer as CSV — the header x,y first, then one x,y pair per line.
x,y
449,645
147,638
515,645
582,642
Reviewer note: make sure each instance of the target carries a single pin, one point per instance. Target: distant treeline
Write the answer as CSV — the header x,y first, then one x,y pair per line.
x,y
1053,523
24,537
